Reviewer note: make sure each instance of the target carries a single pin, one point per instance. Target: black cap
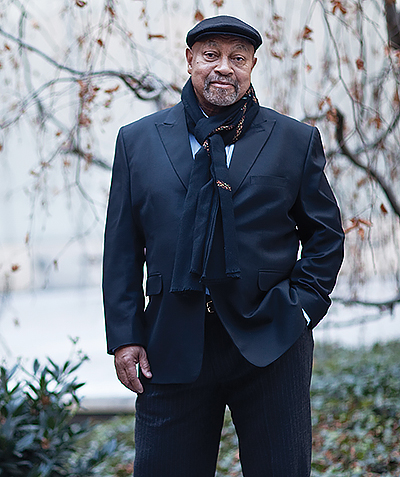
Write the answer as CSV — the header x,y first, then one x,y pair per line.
x,y
223,25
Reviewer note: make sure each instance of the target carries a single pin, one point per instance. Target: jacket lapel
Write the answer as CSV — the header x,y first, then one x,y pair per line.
x,y
248,148
174,136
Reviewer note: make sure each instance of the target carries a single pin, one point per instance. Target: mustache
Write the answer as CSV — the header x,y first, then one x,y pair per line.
x,y
220,79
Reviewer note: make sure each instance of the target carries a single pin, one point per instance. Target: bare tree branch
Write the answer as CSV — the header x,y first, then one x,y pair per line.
x,y
145,87
383,136
382,305
354,158
89,159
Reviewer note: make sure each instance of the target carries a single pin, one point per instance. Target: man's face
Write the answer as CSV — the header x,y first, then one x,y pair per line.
x,y
221,68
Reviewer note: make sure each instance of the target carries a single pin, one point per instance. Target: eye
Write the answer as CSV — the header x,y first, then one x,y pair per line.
x,y
239,59
210,55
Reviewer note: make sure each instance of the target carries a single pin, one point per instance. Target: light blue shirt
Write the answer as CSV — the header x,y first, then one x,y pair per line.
x,y
195,145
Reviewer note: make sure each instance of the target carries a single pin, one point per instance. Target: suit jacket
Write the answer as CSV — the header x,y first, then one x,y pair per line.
x,y
282,202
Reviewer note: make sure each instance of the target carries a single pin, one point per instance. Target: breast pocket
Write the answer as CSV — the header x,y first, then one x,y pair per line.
x,y
273,191
270,181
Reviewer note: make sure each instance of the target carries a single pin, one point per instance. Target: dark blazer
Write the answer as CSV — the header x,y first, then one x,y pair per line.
x,y
281,200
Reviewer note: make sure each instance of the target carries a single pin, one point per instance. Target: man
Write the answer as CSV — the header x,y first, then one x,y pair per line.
x,y
215,195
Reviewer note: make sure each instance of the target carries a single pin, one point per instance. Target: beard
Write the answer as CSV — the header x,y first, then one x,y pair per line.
x,y
220,96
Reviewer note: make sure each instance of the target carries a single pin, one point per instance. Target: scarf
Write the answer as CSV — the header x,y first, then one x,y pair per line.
x,y
207,250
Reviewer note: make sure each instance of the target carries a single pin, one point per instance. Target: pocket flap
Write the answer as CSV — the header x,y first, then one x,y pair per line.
x,y
154,284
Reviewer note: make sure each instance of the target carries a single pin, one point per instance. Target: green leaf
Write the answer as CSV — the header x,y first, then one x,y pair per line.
x,y
25,442
36,366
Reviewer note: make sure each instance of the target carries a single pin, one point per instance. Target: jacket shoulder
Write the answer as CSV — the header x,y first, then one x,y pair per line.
x,y
287,121
143,124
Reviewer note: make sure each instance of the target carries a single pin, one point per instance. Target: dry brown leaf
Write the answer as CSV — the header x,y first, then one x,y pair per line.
x,y
336,170
84,120
377,120
338,5
150,36
306,35
365,222
198,16
331,116
362,181
360,64
279,56
111,11
45,443
396,98
112,90
88,157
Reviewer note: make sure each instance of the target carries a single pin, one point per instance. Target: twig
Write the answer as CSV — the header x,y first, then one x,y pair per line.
x,y
382,305
354,158
140,86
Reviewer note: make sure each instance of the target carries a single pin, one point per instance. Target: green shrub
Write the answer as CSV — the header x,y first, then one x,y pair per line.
x,y
37,435
356,411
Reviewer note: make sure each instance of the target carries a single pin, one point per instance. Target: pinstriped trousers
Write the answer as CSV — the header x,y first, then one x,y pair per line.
x,y
178,426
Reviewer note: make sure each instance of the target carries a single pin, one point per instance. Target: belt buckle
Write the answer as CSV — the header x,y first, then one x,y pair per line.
x,y
210,306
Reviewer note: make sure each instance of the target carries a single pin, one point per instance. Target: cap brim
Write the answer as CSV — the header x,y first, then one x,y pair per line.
x,y
203,36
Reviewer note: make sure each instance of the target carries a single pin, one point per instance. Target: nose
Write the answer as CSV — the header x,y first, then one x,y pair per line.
x,y
223,66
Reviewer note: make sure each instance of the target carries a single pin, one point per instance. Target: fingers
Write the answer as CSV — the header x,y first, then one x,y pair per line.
x,y
144,364
126,359
129,380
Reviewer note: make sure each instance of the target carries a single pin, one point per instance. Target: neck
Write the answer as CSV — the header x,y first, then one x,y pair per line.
x,y
211,109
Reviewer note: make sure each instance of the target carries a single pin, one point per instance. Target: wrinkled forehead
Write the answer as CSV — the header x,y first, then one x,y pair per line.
x,y
222,41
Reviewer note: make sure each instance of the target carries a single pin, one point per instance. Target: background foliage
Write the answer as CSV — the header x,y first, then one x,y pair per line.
x,y
37,435
356,419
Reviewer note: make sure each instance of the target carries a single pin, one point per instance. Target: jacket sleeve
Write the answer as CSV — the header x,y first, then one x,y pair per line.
x,y
123,261
319,225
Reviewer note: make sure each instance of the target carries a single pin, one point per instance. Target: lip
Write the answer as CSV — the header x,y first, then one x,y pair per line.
x,y
217,84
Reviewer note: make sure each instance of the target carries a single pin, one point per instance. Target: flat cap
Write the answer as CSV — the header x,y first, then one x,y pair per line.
x,y
223,25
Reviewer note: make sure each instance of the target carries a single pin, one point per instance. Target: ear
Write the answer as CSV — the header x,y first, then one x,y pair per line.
x,y
189,59
254,63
